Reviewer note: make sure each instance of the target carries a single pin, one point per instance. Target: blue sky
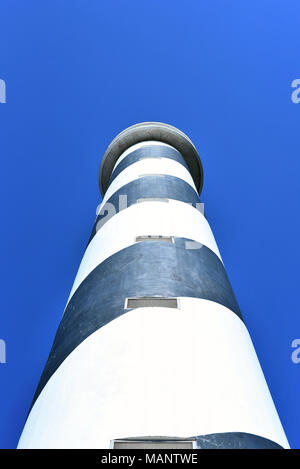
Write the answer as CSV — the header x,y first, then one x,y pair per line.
x,y
76,74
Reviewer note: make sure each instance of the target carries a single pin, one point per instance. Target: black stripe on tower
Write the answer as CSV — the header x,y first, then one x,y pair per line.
x,y
157,269
154,151
148,186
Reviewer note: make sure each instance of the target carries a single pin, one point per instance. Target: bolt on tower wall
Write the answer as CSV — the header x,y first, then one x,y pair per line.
x,y
152,350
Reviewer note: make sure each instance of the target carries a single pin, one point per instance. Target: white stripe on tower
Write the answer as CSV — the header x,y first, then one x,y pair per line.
x,y
152,344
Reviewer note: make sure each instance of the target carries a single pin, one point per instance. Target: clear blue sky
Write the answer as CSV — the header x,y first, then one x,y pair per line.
x,y
77,72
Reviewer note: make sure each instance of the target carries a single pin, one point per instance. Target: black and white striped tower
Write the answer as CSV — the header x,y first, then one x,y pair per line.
x,y
152,350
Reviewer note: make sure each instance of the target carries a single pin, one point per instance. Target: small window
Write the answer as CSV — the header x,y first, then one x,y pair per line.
x,y
152,199
147,302
160,443
167,239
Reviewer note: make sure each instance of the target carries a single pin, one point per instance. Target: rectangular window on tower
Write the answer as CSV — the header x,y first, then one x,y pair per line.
x,y
167,239
161,443
151,302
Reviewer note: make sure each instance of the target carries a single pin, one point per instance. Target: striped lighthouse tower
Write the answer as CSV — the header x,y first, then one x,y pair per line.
x,y
152,350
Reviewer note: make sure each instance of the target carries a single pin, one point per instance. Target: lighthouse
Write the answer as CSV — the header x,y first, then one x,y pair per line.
x,y
152,350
